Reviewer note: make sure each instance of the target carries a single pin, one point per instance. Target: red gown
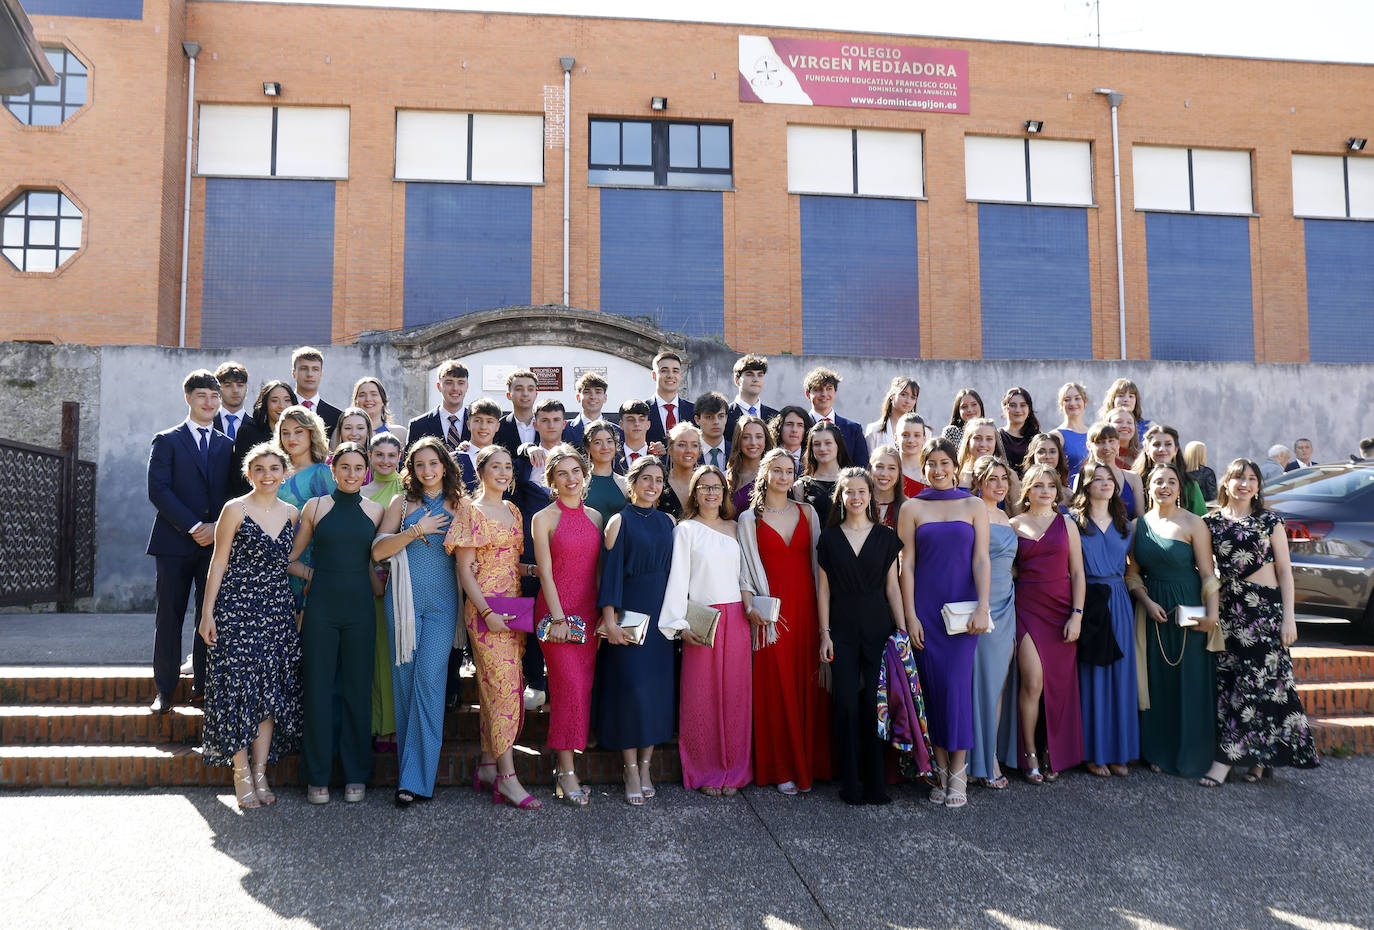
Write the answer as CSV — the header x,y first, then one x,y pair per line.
x,y
791,709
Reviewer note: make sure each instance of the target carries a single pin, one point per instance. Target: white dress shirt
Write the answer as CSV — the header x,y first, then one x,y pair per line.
x,y
445,416
661,408
706,455
238,418
637,453
705,569
526,430
745,407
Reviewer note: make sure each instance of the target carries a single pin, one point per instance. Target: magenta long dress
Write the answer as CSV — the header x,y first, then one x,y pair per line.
x,y
1044,600
574,548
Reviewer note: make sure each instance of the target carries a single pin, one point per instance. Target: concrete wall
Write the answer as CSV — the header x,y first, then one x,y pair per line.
x,y
130,392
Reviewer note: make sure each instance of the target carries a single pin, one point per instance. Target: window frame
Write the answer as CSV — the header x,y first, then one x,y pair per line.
x,y
1028,176
68,111
1345,189
1192,208
64,197
660,153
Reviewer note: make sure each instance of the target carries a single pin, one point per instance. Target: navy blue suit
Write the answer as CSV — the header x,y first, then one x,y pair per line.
x,y
575,430
766,413
431,424
685,413
508,434
326,412
187,488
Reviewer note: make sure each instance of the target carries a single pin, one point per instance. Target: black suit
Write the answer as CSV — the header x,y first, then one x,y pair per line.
x,y
685,412
326,412
508,435
732,418
186,489
431,424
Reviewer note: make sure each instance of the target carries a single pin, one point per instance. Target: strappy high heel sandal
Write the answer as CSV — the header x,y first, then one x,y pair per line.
x,y
646,787
1032,770
531,803
260,786
633,798
957,795
243,789
939,792
477,784
579,798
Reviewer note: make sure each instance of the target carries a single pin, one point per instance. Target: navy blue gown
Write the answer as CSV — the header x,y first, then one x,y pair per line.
x,y
636,685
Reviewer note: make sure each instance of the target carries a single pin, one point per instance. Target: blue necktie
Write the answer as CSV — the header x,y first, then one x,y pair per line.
x,y
231,419
205,444
753,411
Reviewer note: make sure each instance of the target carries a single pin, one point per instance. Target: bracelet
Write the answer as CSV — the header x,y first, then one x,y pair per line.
x,y
825,629
487,612
1078,610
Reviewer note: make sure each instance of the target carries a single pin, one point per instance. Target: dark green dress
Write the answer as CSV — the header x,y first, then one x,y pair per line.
x,y
605,497
338,637
1178,732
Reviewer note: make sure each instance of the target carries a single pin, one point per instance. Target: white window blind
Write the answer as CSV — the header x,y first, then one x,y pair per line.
x,y
1221,181
889,163
508,147
1318,185
1061,171
1159,176
1191,180
312,142
995,168
431,145
234,140
822,160
1360,174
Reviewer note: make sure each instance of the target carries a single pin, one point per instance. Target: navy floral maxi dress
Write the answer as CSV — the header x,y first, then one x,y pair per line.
x,y
253,671
1260,720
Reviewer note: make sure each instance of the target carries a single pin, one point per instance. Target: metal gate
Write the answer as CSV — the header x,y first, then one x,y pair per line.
x,y
47,519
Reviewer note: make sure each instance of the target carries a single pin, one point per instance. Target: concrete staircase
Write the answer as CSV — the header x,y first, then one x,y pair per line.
x,y
90,727
63,726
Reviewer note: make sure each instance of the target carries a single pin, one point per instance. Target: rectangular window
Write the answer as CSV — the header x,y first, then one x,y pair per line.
x,y
1333,186
273,142
1044,171
658,153
1186,180
865,162
502,148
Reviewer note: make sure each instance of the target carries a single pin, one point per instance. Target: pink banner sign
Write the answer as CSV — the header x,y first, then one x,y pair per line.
x,y
813,72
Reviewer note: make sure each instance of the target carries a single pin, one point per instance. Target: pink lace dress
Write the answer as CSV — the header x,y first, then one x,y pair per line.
x,y
574,548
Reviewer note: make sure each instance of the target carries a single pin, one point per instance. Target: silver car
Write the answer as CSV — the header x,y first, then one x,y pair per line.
x,y
1329,512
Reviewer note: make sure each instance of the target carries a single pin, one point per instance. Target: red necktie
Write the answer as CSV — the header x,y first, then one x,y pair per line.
x,y
634,457
669,418
308,405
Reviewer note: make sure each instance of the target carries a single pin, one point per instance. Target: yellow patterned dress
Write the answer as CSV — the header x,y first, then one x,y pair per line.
x,y
497,656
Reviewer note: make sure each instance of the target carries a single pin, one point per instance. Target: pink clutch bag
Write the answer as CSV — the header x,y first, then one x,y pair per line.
x,y
520,608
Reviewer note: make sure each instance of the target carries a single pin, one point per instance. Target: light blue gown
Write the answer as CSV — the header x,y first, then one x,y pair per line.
x,y
1111,719
992,660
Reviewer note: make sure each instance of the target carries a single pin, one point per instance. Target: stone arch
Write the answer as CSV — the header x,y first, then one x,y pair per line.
x,y
421,348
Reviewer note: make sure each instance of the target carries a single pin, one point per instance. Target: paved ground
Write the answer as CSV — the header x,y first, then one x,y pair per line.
x,y
1141,853
1147,851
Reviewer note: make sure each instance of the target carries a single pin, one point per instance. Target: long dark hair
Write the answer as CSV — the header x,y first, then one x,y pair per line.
x,y
842,458
1143,460
1233,471
1032,425
775,424
453,481
260,405
954,418
1081,505
837,496
1149,501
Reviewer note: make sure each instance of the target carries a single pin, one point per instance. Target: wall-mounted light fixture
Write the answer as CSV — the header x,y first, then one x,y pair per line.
x,y
1034,125
271,88
1355,145
658,103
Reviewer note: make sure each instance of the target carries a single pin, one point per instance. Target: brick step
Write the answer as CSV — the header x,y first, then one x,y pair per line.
x,y
105,684
177,765
1337,698
74,724
1350,734
1333,663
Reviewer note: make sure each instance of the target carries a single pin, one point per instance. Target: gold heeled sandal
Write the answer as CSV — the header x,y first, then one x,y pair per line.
x,y
243,789
260,786
579,798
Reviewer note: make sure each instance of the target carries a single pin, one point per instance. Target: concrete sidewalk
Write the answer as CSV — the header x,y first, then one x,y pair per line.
x,y
82,639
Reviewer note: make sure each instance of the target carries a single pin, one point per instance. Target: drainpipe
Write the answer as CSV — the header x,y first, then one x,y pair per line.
x,y
192,49
1114,100
567,62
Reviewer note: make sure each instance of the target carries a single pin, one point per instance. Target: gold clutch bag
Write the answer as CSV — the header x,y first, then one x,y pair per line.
x,y
702,621
633,624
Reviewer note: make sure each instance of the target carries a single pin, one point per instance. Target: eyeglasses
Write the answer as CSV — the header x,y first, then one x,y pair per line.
x,y
710,489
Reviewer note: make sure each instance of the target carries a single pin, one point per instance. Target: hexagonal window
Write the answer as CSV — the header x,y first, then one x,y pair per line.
x,y
40,230
52,106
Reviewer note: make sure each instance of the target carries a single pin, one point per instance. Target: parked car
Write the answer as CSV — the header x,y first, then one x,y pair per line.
x,y
1329,512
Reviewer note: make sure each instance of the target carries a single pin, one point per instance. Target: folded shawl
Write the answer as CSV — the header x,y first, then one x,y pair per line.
x,y
901,708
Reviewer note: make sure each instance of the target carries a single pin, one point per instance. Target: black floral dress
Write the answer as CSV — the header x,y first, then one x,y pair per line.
x,y
253,671
1260,720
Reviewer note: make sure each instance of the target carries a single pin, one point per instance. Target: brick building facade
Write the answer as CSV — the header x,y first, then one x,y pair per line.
x,y
347,203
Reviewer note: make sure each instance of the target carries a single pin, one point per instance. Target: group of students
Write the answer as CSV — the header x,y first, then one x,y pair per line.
x,y
792,595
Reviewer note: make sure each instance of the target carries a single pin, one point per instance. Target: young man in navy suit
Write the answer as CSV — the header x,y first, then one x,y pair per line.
x,y
712,411
484,417
666,409
307,370
233,392
188,483
449,420
517,427
749,373
821,386
591,395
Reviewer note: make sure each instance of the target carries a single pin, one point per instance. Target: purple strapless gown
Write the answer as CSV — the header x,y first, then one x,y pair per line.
x,y
944,573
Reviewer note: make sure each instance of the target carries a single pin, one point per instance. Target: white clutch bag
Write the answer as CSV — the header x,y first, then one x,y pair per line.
x,y
1187,615
633,624
957,615
766,634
